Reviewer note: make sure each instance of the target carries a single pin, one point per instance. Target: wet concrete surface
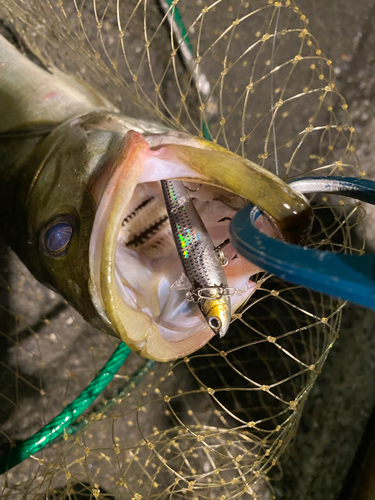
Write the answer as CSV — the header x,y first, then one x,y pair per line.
x,y
342,399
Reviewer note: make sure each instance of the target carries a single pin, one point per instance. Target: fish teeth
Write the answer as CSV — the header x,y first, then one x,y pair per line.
x,y
131,216
146,228
140,238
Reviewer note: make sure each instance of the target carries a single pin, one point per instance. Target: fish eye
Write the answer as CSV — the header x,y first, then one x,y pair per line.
x,y
215,322
57,238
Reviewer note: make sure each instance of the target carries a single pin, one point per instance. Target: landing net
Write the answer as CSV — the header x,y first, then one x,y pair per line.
x,y
215,424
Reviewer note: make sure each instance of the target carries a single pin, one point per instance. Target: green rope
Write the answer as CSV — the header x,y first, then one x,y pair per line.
x,y
206,132
60,423
181,26
131,384
185,41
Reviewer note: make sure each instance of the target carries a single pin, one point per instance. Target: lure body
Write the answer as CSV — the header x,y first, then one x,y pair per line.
x,y
206,280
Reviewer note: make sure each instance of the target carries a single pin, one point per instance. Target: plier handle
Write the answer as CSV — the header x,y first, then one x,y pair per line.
x,y
350,277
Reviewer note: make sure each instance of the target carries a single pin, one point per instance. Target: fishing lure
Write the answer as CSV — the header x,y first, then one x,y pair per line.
x,y
203,277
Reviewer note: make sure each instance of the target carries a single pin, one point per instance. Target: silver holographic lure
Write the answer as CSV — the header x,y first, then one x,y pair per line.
x,y
204,278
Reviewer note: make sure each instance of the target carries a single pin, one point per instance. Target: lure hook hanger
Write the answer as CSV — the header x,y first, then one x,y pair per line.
x,y
349,277
219,250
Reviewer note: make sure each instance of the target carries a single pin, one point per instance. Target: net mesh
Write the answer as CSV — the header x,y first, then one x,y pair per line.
x,y
215,424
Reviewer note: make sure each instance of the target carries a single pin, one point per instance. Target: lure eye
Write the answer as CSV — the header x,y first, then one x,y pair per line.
x,y
57,238
215,322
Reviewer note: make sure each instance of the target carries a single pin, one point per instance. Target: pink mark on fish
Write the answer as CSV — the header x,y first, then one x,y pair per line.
x,y
50,95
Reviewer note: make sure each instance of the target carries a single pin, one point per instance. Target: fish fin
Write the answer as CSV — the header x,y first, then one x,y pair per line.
x,y
181,284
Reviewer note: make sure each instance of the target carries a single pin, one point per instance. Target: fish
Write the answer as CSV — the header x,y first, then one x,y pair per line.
x,y
82,206
203,276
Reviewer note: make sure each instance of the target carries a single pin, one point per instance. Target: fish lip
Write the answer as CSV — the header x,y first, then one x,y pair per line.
x,y
105,201
291,215
103,241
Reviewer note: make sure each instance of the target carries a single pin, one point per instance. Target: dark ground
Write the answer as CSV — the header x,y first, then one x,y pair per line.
x,y
340,405
343,397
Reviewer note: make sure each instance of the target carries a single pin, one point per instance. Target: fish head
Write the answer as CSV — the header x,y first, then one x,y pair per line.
x,y
98,233
60,202
217,314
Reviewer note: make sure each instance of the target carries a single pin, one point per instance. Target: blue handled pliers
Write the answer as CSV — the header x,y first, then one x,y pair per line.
x,y
349,277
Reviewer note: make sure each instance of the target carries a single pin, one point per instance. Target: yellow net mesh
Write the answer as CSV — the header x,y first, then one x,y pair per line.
x,y
213,425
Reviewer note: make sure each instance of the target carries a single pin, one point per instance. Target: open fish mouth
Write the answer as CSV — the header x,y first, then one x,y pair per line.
x,y
133,259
